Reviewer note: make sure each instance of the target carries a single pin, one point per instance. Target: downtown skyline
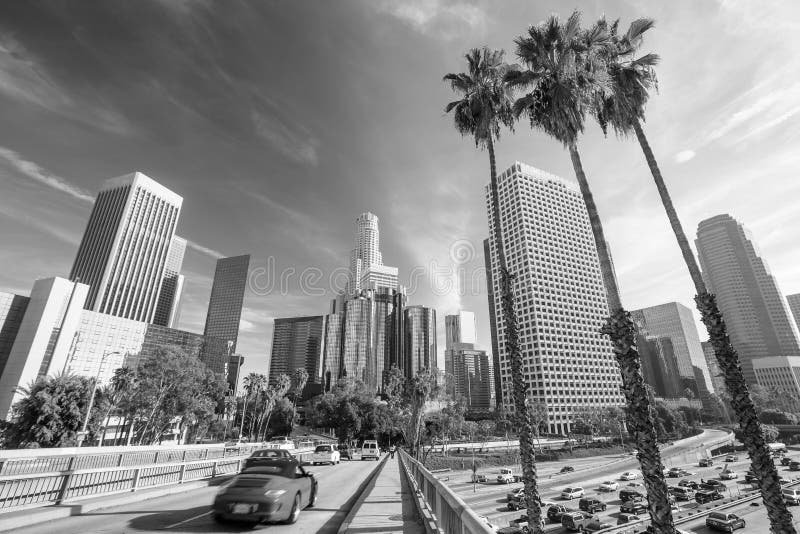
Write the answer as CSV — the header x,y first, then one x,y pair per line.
x,y
264,169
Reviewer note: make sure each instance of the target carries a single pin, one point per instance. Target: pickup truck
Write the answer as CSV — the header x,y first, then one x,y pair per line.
x,y
505,476
723,521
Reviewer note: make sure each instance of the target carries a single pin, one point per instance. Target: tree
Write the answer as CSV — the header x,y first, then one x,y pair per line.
x,y
299,381
771,433
564,74
624,109
485,106
269,399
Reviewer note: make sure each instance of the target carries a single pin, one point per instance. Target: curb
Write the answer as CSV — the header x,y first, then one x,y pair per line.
x,y
362,491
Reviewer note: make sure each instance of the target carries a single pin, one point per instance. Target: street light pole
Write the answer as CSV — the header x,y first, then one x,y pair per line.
x,y
82,434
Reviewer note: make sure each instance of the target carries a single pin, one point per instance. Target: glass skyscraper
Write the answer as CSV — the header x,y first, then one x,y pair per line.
x,y
168,308
298,343
420,339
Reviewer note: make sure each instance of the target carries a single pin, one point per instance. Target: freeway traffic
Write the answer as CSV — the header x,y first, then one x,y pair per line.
x,y
190,512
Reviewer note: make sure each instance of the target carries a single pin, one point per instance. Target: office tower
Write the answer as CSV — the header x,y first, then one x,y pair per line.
x,y
755,312
717,377
379,276
659,364
227,295
169,300
12,311
420,339
299,343
367,251
779,372
44,336
332,349
357,348
674,320
560,298
472,377
124,248
459,329
794,307
487,261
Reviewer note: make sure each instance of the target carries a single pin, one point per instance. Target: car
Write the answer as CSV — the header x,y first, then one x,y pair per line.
x,y
515,494
711,485
346,452
794,465
576,521
276,490
683,493
731,458
748,477
590,504
506,476
516,499
792,495
728,475
325,454
706,462
370,450
685,483
281,442
608,485
519,525
478,477
633,507
262,455
704,496
627,518
629,475
723,521
555,511
566,469
596,525
673,473
786,460
626,494
572,492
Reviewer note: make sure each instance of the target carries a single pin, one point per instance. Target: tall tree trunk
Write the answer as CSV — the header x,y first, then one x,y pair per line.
x,y
763,466
519,385
622,332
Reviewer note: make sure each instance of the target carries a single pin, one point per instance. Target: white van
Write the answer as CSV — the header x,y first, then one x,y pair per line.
x,y
791,495
369,450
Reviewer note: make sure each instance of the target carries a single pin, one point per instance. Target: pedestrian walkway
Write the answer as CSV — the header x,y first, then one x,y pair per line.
x,y
389,506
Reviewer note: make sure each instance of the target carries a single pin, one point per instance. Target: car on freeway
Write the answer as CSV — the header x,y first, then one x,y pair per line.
x,y
572,492
515,494
264,455
629,475
731,458
478,477
682,493
608,485
518,525
623,519
792,495
704,496
506,476
590,504
673,472
706,462
370,450
626,494
750,476
686,483
723,521
555,512
786,460
596,525
276,490
325,454
346,452
576,521
794,465
728,475
566,469
633,507
711,485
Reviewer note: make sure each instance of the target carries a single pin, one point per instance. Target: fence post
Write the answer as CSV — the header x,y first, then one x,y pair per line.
x,y
184,456
155,458
65,484
119,460
136,474
183,472
214,469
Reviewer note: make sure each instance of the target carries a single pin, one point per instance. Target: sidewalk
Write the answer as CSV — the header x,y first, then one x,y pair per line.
x,y
389,506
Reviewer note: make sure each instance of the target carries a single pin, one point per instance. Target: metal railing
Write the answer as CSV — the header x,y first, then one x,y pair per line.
x,y
450,514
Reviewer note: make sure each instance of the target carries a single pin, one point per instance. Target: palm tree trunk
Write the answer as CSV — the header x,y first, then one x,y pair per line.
x,y
622,332
519,385
763,465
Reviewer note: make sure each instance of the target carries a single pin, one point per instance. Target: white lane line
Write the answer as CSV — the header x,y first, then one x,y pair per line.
x,y
179,523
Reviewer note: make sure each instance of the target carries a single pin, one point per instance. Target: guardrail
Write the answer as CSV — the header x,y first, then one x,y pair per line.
x,y
449,513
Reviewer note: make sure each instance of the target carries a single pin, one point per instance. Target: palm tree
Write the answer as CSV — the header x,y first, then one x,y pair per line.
x,y
623,108
299,382
484,107
563,73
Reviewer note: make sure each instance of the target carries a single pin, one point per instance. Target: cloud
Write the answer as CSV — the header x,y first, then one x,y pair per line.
x,y
437,18
297,146
205,250
684,155
35,172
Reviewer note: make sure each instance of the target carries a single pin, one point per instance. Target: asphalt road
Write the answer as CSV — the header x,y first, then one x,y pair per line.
x,y
189,512
754,516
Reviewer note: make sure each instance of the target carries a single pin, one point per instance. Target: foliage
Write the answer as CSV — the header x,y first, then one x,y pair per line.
x,y
775,417
771,433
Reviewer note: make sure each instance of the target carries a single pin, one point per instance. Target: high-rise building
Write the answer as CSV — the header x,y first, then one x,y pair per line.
x,y
12,311
560,298
487,261
420,339
472,377
357,360
332,349
124,248
460,329
779,372
299,343
379,276
755,312
169,300
794,307
659,364
717,378
367,252
674,320
227,296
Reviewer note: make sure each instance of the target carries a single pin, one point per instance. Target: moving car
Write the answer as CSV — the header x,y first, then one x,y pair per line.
x,y
275,490
682,493
627,518
515,494
573,492
728,475
590,504
260,456
567,469
576,521
711,485
723,521
370,450
596,525
281,442
791,495
633,507
689,484
731,458
786,460
626,494
794,465
325,454
518,526
750,476
704,496
609,485
478,477
506,476
629,475
555,512
706,462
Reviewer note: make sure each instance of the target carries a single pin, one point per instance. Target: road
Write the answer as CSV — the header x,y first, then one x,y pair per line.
x,y
189,512
754,516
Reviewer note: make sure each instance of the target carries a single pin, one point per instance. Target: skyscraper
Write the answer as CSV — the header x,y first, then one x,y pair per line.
x,y
169,300
124,248
794,307
560,297
756,314
357,361
12,311
420,339
717,378
472,377
459,329
298,343
367,251
487,261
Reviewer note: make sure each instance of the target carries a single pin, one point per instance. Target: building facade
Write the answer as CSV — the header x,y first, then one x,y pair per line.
x,y
169,300
420,339
12,311
299,343
124,249
487,260
367,252
357,359
779,372
560,296
472,377
717,378
755,311
460,329
659,365
794,306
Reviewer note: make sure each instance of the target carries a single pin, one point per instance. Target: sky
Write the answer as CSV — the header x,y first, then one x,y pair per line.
x,y
280,122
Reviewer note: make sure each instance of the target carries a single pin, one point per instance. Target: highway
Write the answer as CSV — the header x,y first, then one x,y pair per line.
x,y
189,512
754,515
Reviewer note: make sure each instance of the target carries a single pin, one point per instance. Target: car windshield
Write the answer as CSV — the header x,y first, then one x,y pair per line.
x,y
323,448
269,454
717,515
282,468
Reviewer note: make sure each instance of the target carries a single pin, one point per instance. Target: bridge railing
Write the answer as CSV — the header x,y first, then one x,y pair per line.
x,y
448,511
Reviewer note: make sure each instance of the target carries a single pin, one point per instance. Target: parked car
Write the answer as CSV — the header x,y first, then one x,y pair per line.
x,y
706,462
555,511
629,475
506,476
262,455
573,492
711,485
590,504
633,507
370,450
627,494
728,475
704,496
689,484
278,489
723,521
609,485
567,469
731,458
792,495
325,454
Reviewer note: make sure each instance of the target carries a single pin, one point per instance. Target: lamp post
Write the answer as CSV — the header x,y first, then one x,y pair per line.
x,y
82,433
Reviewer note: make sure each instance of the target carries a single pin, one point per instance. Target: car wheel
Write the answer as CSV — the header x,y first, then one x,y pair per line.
x,y
295,513
218,518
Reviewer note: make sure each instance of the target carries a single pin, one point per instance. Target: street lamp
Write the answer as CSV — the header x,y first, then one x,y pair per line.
x,y
82,433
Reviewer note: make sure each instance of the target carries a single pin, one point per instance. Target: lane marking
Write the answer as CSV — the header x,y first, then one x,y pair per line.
x,y
179,523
